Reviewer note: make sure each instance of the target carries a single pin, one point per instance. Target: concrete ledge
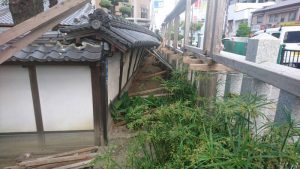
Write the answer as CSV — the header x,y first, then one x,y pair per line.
x,y
210,68
189,60
282,77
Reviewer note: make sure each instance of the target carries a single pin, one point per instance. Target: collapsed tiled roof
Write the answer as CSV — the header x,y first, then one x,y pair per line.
x,y
58,53
116,30
77,18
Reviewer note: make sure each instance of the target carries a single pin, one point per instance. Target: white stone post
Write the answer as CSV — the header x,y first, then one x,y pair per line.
x,y
262,48
233,83
288,104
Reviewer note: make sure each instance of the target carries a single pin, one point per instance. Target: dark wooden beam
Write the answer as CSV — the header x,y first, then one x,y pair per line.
x,y
121,74
36,103
143,55
103,97
95,76
129,67
136,58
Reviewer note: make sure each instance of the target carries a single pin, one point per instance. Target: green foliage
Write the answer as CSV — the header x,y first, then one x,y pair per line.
x,y
106,4
179,36
174,132
125,10
106,160
243,30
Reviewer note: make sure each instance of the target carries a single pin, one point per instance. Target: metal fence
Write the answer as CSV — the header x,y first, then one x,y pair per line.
x,y
290,57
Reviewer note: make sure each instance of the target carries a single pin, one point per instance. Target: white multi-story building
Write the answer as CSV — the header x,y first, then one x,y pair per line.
x,y
240,11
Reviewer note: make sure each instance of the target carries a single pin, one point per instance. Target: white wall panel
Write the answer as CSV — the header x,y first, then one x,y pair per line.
x,y
126,59
113,76
16,106
66,97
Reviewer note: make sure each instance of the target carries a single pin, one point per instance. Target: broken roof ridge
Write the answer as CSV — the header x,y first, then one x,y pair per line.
x,y
109,20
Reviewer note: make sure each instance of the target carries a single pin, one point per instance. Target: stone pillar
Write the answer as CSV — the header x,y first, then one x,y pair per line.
x,y
288,107
221,85
262,48
233,83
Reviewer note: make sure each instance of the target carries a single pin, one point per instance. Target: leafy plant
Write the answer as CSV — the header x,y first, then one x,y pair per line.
x,y
106,4
126,11
174,132
106,160
243,30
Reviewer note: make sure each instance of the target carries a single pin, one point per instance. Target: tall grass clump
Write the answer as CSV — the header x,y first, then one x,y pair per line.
x,y
174,132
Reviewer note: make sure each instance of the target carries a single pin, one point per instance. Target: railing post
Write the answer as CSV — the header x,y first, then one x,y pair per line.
x,y
169,33
233,83
288,107
263,48
176,32
208,26
187,22
218,23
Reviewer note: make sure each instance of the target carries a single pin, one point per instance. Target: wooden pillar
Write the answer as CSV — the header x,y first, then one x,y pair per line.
x,y
100,99
36,104
187,22
176,31
121,74
95,76
208,26
218,25
130,63
103,97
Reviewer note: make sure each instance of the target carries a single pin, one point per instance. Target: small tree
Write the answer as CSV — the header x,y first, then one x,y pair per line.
x,y
106,4
126,11
243,31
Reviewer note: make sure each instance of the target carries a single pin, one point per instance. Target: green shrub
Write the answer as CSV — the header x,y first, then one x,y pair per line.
x,y
125,10
243,30
174,132
106,4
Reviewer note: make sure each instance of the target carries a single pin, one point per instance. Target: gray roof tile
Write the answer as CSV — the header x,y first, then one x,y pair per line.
x,y
59,53
118,30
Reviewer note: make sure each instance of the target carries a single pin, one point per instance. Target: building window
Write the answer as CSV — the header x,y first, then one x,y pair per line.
x,y
144,12
260,19
274,18
292,16
271,18
282,18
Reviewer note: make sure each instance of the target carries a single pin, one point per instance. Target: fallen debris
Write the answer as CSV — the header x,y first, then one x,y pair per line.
x,y
146,92
73,159
153,75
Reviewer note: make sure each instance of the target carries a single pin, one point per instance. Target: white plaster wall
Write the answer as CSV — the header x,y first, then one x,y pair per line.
x,y
113,76
66,97
16,106
126,59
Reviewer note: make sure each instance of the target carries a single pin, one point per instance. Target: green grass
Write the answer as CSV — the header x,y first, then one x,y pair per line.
x,y
174,132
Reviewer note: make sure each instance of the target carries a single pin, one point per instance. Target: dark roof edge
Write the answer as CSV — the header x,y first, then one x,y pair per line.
x,y
266,9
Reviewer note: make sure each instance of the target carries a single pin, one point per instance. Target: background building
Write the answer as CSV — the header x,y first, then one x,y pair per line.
x,y
284,12
240,11
140,11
